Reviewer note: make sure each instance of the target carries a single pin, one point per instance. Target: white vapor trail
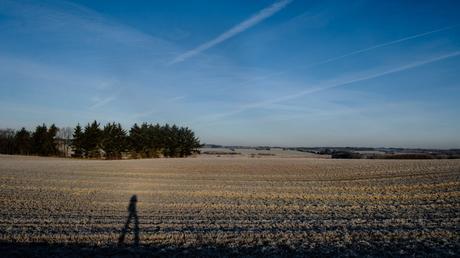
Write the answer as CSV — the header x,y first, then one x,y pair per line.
x,y
359,51
255,19
386,44
102,102
327,86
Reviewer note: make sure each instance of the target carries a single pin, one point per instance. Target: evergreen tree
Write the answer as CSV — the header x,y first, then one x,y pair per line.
x,y
136,141
167,139
147,140
188,142
39,138
91,141
77,141
43,140
155,140
174,144
50,144
114,141
23,142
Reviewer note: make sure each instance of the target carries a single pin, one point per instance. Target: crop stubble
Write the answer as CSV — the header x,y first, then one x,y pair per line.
x,y
295,203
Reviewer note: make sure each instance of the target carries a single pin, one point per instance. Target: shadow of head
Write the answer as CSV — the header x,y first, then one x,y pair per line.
x,y
132,204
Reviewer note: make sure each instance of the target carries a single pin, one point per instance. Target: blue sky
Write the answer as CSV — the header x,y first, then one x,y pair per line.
x,y
289,73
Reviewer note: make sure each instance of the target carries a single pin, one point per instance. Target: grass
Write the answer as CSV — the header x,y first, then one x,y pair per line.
x,y
231,206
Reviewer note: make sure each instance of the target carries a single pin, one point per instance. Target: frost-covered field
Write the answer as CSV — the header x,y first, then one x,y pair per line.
x,y
209,206
247,152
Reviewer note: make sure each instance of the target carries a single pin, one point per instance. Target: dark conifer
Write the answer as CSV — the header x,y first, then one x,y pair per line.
x,y
114,141
92,137
77,142
23,142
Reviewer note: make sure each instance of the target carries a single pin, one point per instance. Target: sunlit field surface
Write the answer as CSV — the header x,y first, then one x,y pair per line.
x,y
230,206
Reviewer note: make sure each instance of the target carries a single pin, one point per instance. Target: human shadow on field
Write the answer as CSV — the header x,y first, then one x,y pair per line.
x,y
132,216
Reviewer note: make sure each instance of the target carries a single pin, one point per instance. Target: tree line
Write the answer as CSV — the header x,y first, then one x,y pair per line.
x,y
110,141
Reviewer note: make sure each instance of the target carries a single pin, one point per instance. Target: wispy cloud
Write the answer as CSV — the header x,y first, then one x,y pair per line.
x,y
146,113
68,19
149,112
356,52
335,84
389,43
102,102
177,98
255,19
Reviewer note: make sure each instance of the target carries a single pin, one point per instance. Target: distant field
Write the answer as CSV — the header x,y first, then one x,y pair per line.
x,y
278,152
213,206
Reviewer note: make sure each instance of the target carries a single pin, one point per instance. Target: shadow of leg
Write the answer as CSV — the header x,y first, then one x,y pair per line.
x,y
121,239
132,215
136,230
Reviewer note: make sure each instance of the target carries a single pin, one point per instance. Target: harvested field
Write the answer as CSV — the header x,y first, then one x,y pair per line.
x,y
230,206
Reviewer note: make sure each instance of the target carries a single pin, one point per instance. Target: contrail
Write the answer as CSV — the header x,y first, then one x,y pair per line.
x,y
338,84
386,44
103,102
359,51
255,19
